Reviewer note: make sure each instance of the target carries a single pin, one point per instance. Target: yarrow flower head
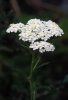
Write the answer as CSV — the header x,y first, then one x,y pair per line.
x,y
37,32
15,27
42,46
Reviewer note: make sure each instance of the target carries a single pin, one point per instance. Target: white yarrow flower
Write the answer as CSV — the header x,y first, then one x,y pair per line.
x,y
42,46
15,27
37,32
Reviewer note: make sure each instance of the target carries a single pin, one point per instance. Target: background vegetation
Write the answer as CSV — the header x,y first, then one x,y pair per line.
x,y
51,79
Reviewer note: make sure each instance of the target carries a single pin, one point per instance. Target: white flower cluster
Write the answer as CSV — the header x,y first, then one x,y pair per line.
x,y
42,46
15,28
37,32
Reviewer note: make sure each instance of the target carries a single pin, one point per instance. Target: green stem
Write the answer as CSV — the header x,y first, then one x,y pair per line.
x,y
36,63
31,79
32,83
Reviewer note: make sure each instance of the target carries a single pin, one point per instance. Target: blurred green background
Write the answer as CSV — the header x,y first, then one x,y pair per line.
x,y
52,79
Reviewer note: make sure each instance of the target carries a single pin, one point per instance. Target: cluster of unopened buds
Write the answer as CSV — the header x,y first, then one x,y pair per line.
x,y
37,33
